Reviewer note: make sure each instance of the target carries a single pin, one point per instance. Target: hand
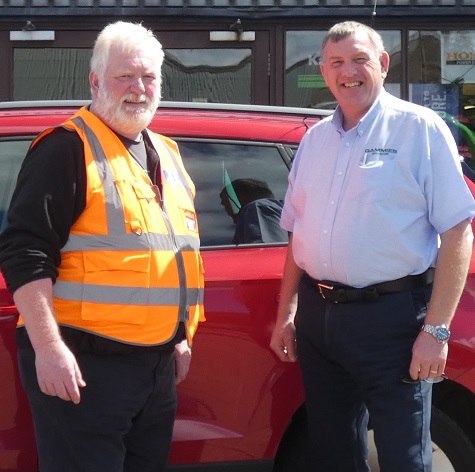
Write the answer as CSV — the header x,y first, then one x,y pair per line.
x,y
182,361
283,342
58,372
428,357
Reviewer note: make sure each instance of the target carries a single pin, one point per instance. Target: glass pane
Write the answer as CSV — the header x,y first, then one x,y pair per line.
x,y
442,77
210,165
207,75
304,85
12,154
51,74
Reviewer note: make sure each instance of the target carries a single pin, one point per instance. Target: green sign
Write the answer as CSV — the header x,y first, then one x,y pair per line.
x,y
310,81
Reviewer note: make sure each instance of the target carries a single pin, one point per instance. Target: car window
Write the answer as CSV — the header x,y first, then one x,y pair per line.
x,y
215,166
11,157
210,164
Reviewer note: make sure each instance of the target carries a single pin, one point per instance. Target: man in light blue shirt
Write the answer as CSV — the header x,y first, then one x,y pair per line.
x,y
376,200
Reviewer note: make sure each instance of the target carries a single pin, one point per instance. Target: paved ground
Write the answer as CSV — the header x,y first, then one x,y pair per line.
x,y
440,462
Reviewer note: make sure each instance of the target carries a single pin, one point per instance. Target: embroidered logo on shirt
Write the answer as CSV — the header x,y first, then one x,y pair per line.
x,y
375,155
381,151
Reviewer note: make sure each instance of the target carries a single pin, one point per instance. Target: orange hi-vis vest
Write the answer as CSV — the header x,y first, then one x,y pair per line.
x,y
131,269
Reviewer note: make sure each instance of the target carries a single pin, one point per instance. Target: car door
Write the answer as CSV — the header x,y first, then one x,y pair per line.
x,y
226,408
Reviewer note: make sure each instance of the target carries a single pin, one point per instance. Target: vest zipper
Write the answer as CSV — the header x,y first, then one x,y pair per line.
x,y
184,309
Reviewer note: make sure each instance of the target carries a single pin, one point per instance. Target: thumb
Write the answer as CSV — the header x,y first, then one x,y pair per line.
x,y
79,378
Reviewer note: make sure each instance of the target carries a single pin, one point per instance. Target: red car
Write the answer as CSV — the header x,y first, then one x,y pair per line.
x,y
240,407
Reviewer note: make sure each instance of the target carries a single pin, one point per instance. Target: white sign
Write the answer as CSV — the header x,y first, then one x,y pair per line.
x,y
458,57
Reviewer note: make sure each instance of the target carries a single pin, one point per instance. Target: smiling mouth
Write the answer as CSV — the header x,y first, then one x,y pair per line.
x,y
352,84
134,99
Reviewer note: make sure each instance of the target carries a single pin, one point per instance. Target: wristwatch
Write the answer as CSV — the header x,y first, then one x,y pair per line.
x,y
441,332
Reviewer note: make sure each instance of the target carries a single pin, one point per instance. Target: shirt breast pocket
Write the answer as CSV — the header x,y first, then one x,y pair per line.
x,y
372,180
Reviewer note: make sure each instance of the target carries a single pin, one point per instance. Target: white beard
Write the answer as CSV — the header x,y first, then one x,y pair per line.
x,y
113,112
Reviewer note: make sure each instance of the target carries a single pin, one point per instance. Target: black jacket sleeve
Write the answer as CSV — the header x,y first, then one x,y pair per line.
x,y
259,222
49,197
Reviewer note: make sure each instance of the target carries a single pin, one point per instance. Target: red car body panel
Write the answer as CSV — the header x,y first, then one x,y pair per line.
x,y
177,122
238,399
233,342
17,441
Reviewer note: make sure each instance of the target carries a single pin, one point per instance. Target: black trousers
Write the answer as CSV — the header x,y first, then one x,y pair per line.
x,y
123,423
353,357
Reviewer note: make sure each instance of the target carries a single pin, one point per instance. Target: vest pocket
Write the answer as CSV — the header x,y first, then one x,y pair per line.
x,y
142,209
115,288
142,190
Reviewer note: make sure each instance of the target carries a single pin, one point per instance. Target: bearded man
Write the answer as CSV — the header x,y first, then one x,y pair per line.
x,y
101,254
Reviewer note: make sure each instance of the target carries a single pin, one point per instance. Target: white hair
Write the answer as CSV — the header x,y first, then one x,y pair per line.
x,y
129,37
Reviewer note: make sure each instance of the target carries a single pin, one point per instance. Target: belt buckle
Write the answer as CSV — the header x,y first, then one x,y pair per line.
x,y
324,286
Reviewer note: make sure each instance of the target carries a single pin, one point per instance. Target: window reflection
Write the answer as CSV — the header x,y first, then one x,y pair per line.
x,y
207,75
213,165
255,211
304,85
11,158
51,74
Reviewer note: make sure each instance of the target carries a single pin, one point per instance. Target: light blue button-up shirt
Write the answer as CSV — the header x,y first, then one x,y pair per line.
x,y
367,205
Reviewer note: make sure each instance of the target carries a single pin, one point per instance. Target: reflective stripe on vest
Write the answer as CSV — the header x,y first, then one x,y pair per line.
x,y
109,294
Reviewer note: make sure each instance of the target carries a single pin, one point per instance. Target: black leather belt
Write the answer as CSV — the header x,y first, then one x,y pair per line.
x,y
337,293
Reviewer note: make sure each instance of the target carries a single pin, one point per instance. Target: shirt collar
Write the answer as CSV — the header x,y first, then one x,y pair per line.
x,y
364,123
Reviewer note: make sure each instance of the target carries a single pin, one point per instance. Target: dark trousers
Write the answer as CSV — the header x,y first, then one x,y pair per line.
x,y
123,423
353,357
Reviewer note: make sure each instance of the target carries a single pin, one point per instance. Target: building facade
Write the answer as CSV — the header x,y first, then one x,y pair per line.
x,y
243,51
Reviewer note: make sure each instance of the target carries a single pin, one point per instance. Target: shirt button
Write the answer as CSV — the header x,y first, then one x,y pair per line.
x,y
347,144
325,264
340,172
332,202
325,231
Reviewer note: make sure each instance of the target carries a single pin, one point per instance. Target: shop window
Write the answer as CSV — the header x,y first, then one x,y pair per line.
x,y
203,75
442,77
304,85
207,75
51,74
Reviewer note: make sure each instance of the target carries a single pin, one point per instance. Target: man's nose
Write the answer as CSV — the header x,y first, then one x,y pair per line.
x,y
349,68
138,86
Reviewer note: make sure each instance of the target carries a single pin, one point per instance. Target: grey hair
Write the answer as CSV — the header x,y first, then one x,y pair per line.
x,y
342,30
129,37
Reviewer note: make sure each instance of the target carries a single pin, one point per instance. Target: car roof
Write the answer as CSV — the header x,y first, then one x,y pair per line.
x,y
177,119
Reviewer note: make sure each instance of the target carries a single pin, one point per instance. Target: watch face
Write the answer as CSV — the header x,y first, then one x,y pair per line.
x,y
442,334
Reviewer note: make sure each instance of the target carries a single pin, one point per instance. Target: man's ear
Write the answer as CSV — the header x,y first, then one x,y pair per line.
x,y
94,82
384,61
